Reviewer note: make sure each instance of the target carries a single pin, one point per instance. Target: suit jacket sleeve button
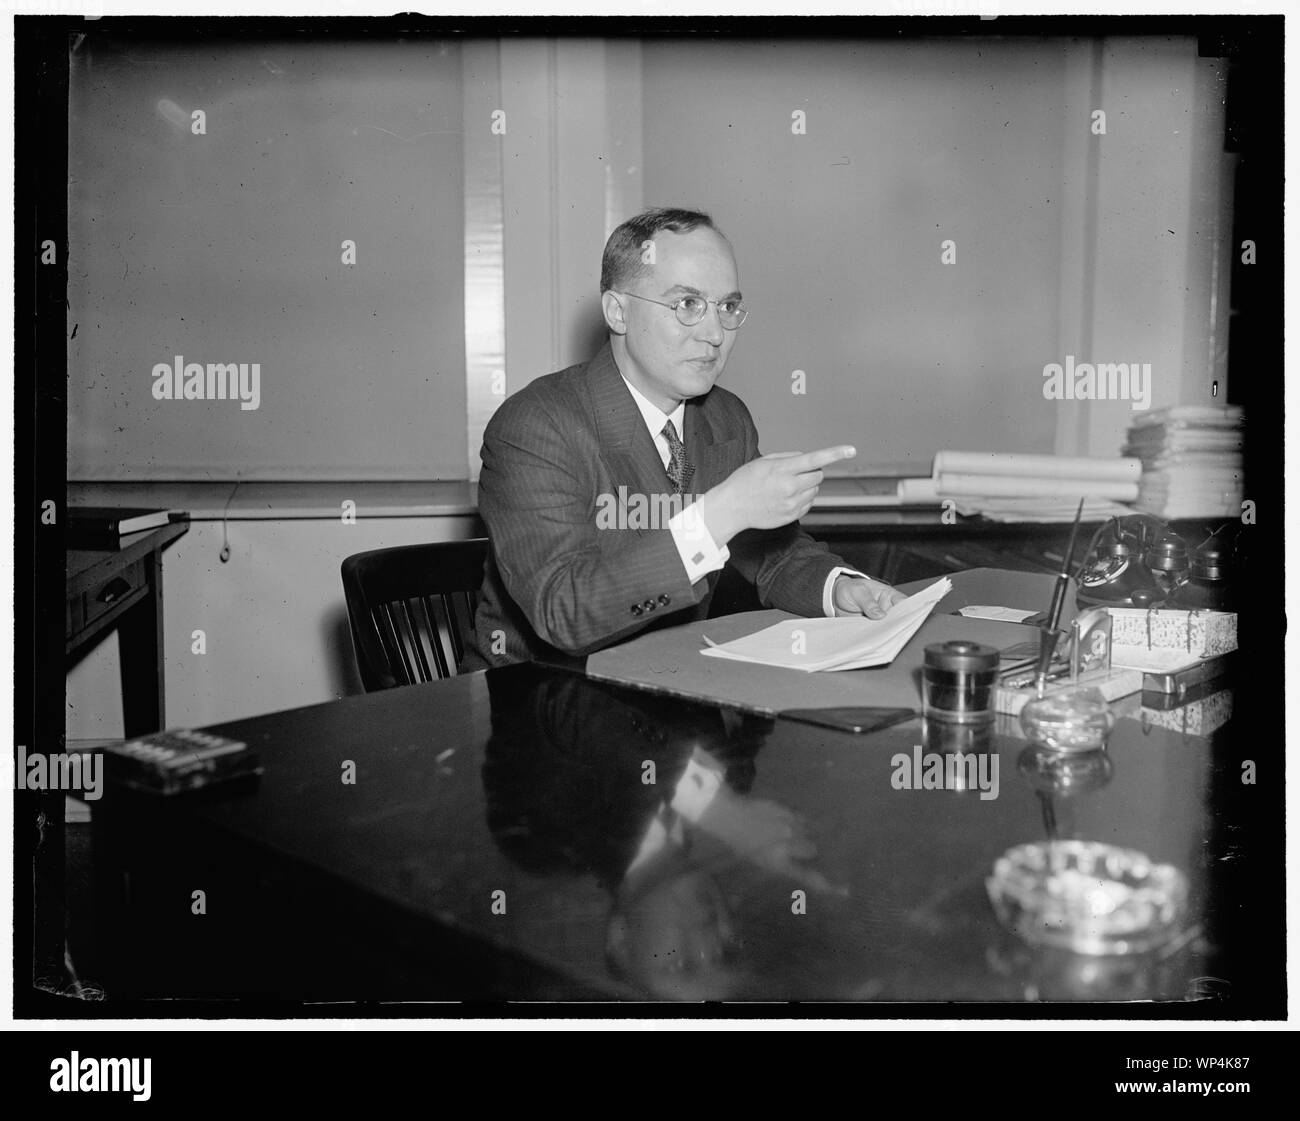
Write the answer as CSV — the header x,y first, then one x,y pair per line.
x,y
665,600
649,605
636,609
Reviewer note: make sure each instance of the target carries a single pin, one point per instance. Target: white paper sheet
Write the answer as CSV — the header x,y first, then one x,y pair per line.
x,y
850,642
1004,614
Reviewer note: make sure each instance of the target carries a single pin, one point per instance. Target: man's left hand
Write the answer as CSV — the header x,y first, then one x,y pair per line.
x,y
857,595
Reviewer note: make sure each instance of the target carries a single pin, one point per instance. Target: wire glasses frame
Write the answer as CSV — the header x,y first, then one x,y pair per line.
x,y
690,310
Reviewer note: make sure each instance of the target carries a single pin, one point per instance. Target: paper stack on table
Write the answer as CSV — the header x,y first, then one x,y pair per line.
x,y
848,642
1191,461
1017,487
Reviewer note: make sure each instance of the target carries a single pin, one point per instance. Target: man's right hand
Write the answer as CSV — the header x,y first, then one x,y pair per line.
x,y
773,490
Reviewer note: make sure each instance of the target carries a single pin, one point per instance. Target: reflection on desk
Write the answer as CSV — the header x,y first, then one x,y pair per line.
x,y
529,833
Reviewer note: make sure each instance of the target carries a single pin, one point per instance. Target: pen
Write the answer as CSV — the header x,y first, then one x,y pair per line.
x,y
1021,681
1050,635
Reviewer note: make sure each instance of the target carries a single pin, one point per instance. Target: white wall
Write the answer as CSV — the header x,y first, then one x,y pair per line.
x,y
1061,235
1156,277
227,247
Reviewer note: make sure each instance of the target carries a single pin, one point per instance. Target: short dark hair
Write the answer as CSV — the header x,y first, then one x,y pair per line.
x,y
622,263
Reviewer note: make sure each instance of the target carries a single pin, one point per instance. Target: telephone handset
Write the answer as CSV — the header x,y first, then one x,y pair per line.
x,y
1138,561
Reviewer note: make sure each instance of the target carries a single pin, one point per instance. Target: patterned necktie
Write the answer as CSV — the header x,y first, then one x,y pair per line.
x,y
679,471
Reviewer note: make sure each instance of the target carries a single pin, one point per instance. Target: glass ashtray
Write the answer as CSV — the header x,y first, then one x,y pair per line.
x,y
1077,718
1088,897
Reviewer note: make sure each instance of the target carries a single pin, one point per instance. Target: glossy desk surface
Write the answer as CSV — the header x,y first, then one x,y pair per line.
x,y
529,781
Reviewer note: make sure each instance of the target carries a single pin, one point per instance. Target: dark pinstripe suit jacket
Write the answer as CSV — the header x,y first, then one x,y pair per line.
x,y
555,585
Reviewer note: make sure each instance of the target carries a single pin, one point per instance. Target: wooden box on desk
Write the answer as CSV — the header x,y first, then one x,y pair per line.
x,y
1202,634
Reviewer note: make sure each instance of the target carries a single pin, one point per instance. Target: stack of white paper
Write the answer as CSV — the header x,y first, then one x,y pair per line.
x,y
849,642
1191,461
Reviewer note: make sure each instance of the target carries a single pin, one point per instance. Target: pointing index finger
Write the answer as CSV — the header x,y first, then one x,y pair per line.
x,y
815,461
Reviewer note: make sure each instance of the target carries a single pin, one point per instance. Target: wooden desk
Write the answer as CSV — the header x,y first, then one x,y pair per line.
x,y
122,589
528,781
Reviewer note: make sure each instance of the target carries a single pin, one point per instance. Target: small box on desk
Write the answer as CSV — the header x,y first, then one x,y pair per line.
x,y
170,763
1202,634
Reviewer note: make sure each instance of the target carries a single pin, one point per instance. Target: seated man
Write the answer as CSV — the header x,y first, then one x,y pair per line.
x,y
615,491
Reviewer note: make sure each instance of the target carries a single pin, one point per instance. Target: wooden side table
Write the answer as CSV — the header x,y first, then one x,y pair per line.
x,y
122,589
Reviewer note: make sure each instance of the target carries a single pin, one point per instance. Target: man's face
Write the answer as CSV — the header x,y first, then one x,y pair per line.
x,y
665,360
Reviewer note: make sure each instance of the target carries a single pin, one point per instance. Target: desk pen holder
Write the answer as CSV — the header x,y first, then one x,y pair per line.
x,y
1085,660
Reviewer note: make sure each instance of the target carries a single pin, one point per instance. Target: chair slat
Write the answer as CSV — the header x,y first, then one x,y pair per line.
x,y
414,640
435,638
453,627
410,641
395,647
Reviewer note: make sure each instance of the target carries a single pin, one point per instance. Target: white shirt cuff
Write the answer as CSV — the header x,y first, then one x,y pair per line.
x,y
695,545
828,591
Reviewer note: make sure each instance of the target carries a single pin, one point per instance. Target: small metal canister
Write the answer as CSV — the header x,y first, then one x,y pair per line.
x,y
958,680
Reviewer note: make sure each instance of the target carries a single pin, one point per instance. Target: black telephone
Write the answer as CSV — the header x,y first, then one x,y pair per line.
x,y
1138,561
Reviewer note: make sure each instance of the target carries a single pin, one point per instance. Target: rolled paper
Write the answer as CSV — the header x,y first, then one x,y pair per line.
x,y
1026,466
1015,486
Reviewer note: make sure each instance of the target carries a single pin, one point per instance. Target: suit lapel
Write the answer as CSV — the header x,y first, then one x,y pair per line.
x,y
624,439
712,460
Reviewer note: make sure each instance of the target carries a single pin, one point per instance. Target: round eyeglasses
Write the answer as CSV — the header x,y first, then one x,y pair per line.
x,y
691,309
